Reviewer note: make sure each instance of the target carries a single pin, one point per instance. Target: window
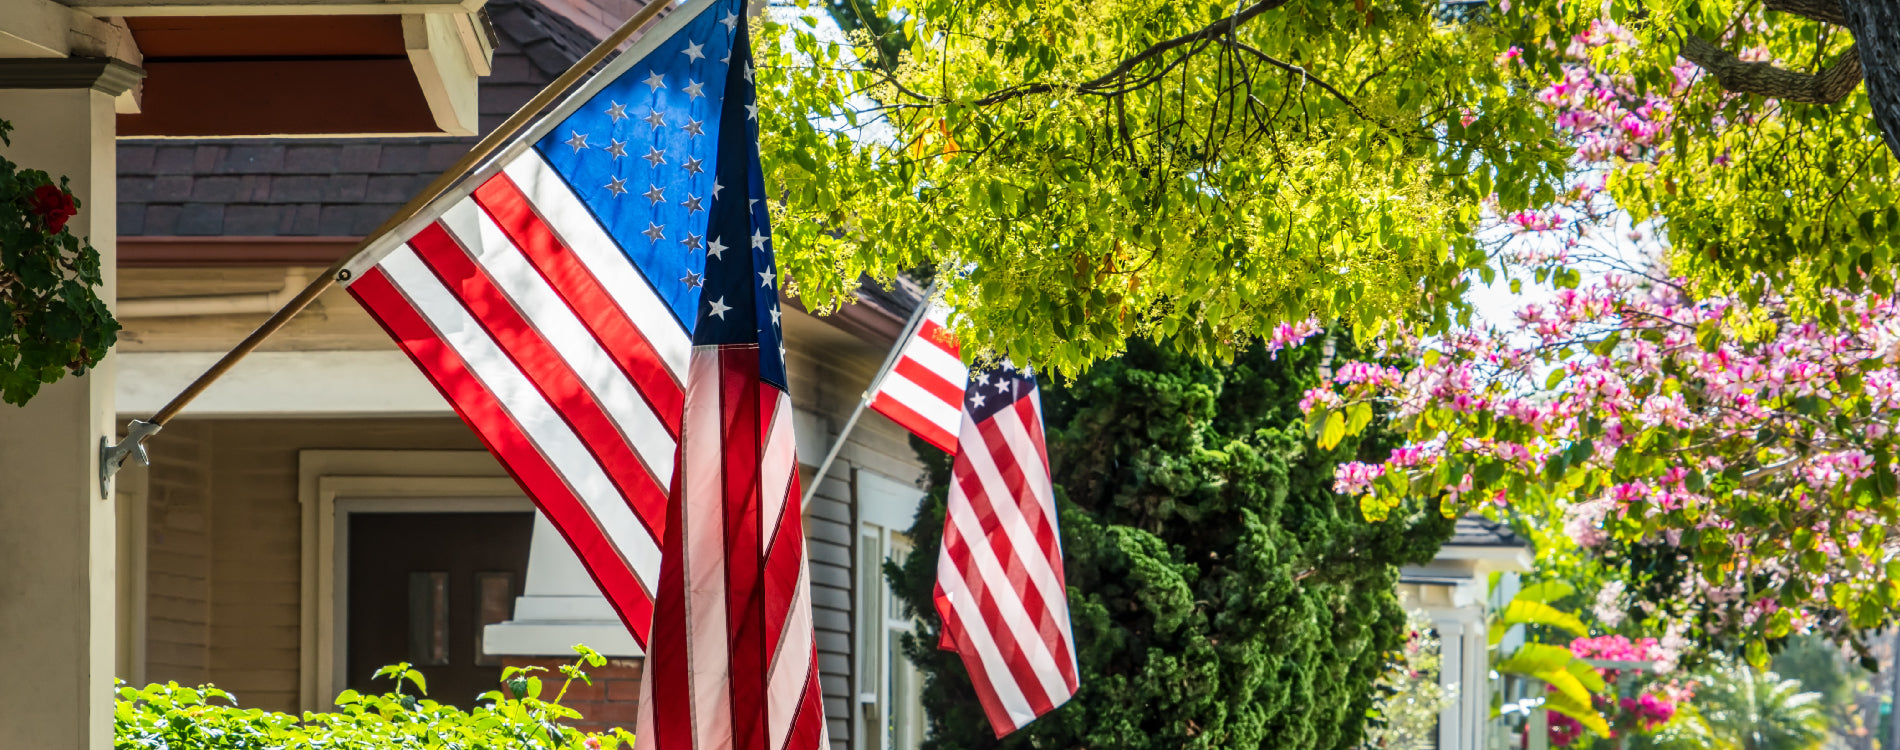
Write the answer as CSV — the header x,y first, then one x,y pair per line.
x,y
890,705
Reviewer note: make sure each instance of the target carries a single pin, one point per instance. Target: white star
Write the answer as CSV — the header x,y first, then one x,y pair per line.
x,y
752,111
976,401
758,240
716,248
716,188
655,157
655,232
691,242
693,89
655,194
618,149
616,186
656,119
656,80
616,111
692,128
731,21
727,60
748,72
578,141
719,308
1001,384
692,204
692,279
765,278
775,314
692,165
751,204
694,51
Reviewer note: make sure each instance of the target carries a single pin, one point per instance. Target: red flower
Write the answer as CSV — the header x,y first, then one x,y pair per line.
x,y
54,206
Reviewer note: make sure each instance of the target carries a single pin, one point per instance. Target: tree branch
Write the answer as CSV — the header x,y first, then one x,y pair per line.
x,y
1825,11
1223,26
1829,86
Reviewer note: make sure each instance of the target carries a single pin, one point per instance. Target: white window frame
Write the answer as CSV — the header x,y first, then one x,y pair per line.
x,y
881,623
885,508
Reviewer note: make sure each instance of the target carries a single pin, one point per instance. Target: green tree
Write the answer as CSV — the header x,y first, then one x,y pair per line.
x,y
1222,595
1202,171
1746,709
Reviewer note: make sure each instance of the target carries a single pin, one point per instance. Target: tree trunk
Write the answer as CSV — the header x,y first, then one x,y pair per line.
x,y
1876,28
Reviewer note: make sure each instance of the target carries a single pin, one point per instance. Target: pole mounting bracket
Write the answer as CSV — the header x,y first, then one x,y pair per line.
x,y
112,457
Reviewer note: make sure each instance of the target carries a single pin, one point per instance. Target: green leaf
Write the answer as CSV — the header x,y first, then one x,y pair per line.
x,y
1333,432
1580,710
1525,612
414,676
1545,591
1360,415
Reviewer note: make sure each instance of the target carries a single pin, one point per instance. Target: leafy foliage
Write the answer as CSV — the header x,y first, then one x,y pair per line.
x,y
1203,171
1196,172
51,318
1222,595
173,717
1742,708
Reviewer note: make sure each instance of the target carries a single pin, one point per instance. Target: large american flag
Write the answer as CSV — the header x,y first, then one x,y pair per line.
x,y
601,306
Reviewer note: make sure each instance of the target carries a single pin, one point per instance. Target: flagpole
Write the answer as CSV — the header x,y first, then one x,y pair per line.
x,y
112,457
890,360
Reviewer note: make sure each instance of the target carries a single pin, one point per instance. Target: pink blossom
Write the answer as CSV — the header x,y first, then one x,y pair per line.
x,y
1355,478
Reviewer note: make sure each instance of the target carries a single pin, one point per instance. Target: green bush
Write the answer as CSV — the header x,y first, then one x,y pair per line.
x,y
173,717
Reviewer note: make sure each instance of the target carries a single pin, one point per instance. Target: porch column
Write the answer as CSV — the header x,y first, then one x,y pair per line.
x,y
57,545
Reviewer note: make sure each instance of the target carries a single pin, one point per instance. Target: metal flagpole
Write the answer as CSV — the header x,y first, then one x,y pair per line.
x,y
112,457
910,329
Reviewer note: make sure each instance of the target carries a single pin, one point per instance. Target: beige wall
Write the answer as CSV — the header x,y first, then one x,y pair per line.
x,y
225,552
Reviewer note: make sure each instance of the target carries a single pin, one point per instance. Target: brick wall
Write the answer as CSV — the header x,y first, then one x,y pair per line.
x,y
611,701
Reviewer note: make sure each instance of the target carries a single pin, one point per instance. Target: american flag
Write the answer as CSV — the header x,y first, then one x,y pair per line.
x,y
924,389
601,306
1000,589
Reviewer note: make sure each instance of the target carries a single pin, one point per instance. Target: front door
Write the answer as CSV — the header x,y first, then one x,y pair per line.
x,y
422,585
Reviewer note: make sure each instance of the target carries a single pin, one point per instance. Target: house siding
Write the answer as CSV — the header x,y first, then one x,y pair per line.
x,y
224,576
178,560
831,386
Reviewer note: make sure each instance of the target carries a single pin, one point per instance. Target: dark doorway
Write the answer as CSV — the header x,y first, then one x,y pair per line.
x,y
422,585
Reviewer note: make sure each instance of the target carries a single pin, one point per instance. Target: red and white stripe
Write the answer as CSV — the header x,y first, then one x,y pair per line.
x,y
1000,589
924,389
736,569
549,343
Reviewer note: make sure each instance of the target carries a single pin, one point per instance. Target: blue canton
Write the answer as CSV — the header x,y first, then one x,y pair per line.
x,y
667,158
995,388
641,154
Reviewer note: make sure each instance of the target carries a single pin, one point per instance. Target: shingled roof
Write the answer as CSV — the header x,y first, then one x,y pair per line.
x,y
1478,531
341,187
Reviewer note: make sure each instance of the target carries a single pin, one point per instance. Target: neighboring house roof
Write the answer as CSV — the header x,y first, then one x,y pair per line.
x,y
1478,531
336,187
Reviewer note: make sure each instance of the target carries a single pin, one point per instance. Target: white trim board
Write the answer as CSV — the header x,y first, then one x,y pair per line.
x,y
382,383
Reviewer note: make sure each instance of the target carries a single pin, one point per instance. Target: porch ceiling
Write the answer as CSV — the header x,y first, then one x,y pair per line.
x,y
219,68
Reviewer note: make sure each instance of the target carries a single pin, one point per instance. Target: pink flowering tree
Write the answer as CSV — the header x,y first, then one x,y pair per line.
x,y
1733,463
1718,456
